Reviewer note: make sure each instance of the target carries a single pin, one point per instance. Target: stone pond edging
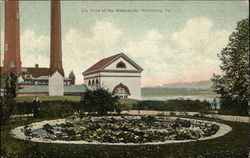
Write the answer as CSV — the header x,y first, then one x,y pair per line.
x,y
19,134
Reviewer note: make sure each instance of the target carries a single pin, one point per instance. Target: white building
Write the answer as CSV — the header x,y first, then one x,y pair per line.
x,y
118,73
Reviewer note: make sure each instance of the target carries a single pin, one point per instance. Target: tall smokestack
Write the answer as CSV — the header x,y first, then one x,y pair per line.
x,y
56,79
12,59
55,41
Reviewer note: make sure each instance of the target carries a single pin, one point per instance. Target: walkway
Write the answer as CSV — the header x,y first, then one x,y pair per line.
x,y
175,113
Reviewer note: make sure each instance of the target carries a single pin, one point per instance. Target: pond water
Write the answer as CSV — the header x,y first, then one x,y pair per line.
x,y
191,97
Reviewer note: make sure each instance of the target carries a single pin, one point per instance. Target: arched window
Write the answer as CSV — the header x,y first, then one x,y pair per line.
x,y
93,83
12,64
121,65
89,84
121,91
97,82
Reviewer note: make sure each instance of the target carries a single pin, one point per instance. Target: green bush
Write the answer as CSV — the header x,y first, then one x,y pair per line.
x,y
6,109
58,108
52,109
228,107
173,105
98,100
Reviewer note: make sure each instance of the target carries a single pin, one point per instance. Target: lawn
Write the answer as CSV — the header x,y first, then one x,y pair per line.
x,y
49,98
236,140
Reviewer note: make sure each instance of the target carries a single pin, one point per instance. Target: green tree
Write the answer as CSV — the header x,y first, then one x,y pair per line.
x,y
8,83
232,85
214,105
98,100
72,77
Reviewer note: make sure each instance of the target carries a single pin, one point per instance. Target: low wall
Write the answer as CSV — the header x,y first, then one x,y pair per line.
x,y
19,134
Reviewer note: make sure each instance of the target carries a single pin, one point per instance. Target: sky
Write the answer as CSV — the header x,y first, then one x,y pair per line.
x,y
173,41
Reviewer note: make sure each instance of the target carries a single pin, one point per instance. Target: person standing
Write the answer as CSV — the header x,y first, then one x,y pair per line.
x,y
36,107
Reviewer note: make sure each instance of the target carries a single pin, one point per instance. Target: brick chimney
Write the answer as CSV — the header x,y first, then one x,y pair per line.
x,y
55,41
56,78
12,59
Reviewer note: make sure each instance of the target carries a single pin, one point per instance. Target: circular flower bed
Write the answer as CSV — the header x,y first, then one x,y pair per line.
x,y
130,129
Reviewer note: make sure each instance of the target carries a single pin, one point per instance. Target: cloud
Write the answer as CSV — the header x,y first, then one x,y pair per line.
x,y
198,37
195,32
81,50
189,54
105,32
34,48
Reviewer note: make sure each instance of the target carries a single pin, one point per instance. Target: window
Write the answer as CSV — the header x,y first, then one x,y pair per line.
x,y
6,48
12,64
121,91
97,82
121,65
93,83
89,84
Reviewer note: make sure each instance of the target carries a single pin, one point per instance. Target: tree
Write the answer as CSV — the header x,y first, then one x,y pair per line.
x,y
214,104
8,83
72,77
98,100
232,85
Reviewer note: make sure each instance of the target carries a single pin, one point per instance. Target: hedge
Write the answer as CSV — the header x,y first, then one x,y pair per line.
x,y
61,106
173,105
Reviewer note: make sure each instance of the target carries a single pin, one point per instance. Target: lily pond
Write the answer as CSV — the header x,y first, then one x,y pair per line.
x,y
129,129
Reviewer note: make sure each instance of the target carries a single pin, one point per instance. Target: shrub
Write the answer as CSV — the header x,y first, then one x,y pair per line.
x,y
172,105
119,108
51,109
8,83
58,108
6,109
98,100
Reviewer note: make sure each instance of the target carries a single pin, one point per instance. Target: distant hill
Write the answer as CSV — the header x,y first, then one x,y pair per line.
x,y
182,88
193,85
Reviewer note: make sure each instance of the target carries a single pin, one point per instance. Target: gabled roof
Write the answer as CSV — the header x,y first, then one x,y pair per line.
x,y
101,63
35,71
106,61
47,78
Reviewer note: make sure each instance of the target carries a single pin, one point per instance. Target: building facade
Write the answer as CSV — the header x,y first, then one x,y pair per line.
x,y
118,73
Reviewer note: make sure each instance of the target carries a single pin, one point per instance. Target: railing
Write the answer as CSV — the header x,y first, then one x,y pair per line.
x,y
178,113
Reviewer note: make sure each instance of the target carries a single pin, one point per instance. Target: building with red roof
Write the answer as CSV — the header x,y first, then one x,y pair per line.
x,y
118,73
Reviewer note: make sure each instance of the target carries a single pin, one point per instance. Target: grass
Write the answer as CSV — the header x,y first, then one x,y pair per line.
x,y
66,98
128,102
49,98
237,139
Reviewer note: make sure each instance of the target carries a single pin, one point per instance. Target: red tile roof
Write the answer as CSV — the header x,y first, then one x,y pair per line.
x,y
34,71
102,63
37,71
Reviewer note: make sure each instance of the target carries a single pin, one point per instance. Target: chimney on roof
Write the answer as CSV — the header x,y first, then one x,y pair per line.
x,y
36,66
